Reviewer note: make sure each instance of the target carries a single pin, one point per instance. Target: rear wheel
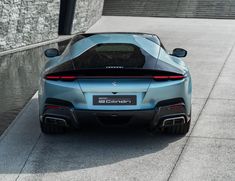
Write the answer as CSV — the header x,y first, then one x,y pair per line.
x,y
52,129
178,129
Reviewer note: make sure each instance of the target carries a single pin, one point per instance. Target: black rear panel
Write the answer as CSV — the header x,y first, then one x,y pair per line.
x,y
118,55
114,73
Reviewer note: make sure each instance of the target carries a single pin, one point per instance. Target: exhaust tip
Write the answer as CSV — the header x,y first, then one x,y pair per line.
x,y
173,121
55,121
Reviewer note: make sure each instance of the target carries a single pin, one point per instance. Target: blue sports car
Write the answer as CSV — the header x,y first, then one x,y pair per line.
x,y
115,79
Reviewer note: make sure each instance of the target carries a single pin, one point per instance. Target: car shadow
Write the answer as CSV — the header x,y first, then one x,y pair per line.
x,y
94,147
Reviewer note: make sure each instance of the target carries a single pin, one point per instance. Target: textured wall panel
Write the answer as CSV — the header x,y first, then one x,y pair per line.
x,y
87,12
24,22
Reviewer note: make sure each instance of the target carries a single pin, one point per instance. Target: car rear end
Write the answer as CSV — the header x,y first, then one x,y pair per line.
x,y
115,84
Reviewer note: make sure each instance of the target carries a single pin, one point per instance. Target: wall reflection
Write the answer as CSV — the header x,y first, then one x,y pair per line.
x,y
19,77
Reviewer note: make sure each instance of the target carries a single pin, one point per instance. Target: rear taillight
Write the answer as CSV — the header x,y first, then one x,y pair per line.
x,y
168,77
63,77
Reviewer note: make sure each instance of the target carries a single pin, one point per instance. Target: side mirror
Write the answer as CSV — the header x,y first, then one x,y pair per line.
x,y
51,52
179,52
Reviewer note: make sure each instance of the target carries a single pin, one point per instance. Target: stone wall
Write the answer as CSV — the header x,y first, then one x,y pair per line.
x,y
24,22
87,12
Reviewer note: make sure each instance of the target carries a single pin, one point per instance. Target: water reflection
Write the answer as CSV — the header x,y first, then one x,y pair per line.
x,y
19,75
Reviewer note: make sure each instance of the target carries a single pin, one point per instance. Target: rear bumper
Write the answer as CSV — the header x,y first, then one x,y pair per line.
x,y
165,110
115,117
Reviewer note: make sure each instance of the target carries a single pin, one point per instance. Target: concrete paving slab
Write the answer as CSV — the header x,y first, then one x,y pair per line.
x,y
197,105
206,159
229,69
205,67
225,88
202,84
215,127
103,155
18,141
217,120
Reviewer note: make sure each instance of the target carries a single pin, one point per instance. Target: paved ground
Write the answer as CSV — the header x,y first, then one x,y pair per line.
x,y
206,153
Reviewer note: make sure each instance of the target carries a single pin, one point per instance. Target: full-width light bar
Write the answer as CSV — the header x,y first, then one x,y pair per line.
x,y
156,77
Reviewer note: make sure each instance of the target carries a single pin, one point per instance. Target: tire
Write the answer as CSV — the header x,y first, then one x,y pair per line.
x,y
179,129
52,129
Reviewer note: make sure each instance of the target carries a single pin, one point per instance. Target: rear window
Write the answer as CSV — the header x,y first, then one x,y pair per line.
x,y
114,56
